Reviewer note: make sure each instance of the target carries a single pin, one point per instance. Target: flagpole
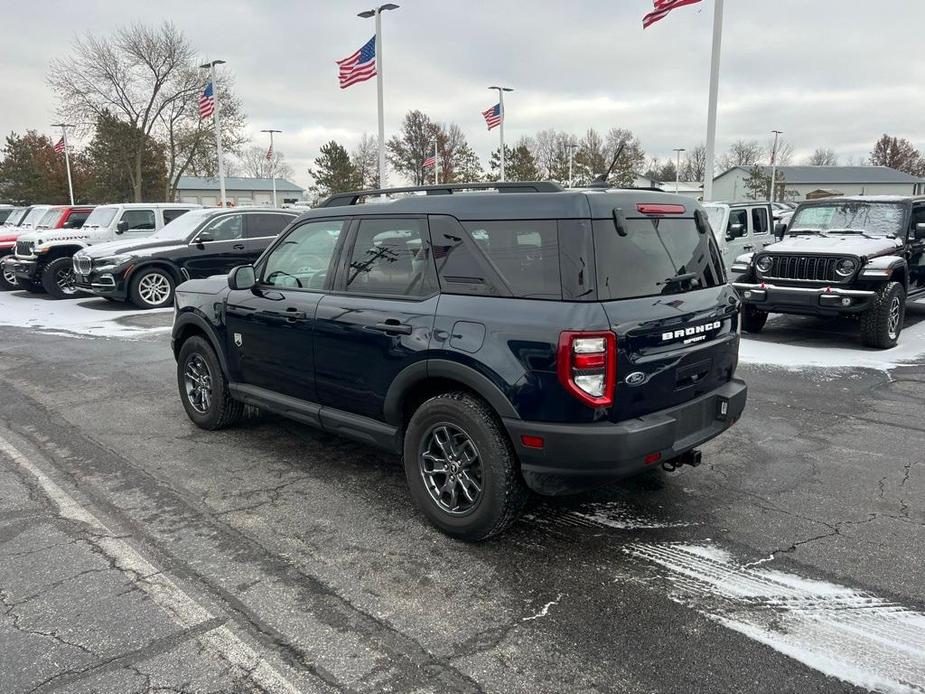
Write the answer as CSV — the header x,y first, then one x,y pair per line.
x,y
501,91
714,93
377,12
436,180
67,158
216,119
271,155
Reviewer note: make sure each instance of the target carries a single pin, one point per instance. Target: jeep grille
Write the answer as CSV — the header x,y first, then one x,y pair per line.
x,y
24,247
807,268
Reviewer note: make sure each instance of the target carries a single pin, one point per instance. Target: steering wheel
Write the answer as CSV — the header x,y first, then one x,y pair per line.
x,y
280,273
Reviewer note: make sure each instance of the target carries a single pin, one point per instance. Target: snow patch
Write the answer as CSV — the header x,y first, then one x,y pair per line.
x,y
545,611
88,317
609,514
852,635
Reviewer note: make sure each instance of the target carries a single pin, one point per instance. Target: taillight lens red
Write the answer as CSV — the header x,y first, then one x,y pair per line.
x,y
587,366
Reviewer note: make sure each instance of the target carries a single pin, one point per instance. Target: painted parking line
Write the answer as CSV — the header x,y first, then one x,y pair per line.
x,y
178,605
852,635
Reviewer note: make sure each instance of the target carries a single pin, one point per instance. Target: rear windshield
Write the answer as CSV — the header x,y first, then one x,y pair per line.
x,y
101,217
658,256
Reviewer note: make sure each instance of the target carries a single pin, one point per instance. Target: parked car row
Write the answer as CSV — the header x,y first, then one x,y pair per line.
x,y
134,252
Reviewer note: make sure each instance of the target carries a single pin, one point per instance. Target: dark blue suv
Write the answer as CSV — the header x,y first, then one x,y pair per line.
x,y
526,337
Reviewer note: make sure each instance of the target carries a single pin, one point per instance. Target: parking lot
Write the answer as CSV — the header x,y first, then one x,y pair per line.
x,y
143,554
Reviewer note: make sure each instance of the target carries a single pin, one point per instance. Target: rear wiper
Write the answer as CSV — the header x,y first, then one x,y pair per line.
x,y
680,278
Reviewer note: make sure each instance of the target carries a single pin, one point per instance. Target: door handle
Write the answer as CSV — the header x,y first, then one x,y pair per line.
x,y
394,327
294,314
238,246
747,248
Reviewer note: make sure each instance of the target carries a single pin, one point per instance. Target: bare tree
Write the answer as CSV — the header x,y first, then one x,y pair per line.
x,y
742,153
694,166
784,154
632,157
254,163
365,158
822,156
897,153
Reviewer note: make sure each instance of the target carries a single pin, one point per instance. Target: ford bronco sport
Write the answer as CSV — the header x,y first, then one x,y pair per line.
x,y
526,338
857,256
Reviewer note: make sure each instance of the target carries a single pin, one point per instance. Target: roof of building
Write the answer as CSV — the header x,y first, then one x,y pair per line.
x,y
237,183
829,175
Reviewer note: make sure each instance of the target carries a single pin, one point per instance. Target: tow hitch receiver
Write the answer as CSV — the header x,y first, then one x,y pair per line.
x,y
692,458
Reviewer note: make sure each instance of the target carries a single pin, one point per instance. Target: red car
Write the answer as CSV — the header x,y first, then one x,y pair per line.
x,y
26,219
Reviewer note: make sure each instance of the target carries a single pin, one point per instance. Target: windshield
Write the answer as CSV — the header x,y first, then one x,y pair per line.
x,y
101,217
17,214
658,256
50,219
880,219
180,228
35,214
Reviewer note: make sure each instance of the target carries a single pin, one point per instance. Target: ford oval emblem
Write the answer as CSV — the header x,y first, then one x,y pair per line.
x,y
637,378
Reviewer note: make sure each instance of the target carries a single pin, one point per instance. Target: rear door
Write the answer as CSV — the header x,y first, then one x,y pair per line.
x,y
381,316
675,317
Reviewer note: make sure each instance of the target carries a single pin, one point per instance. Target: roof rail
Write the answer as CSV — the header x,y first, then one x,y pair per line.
x,y
353,197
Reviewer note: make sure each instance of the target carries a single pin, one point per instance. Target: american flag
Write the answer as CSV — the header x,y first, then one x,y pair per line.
x,y
662,8
430,161
270,153
59,148
493,116
207,101
360,66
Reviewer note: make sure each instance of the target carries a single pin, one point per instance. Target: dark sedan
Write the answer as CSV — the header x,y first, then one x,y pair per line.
x,y
198,244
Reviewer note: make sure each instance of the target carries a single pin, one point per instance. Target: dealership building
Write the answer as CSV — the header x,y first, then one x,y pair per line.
x,y
238,190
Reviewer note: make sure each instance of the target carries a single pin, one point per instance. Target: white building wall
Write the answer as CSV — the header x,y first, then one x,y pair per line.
x,y
731,188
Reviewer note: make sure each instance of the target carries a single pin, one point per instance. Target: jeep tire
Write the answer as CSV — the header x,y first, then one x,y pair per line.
x,y
461,468
204,388
7,281
882,323
152,288
58,279
753,319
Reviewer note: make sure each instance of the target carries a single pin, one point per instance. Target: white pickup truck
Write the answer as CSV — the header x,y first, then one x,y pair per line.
x,y
42,261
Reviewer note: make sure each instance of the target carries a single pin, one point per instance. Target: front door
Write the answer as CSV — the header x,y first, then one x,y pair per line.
x,y
760,223
218,247
269,328
737,234
381,317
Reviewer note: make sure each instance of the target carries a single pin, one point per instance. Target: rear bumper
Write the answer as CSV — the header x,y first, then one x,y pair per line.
x,y
576,457
804,300
23,268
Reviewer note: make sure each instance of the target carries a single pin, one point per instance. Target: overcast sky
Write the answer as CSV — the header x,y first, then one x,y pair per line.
x,y
833,73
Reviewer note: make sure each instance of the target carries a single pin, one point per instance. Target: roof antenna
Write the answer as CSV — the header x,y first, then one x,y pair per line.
x,y
601,180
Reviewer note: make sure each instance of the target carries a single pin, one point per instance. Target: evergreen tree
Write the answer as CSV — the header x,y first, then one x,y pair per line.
x,y
334,172
112,156
32,172
408,150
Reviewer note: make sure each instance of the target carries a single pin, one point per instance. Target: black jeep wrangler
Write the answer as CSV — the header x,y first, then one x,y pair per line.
x,y
500,337
860,256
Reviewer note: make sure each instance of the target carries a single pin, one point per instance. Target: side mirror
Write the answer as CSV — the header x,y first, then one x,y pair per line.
x,y
779,230
920,231
242,277
205,237
122,227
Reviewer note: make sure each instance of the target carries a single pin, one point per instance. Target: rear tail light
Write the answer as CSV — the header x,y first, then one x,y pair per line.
x,y
587,365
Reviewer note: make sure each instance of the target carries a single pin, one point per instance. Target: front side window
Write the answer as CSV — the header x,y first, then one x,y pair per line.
x,y
875,219
226,228
77,219
739,220
658,256
139,220
760,223
301,260
390,256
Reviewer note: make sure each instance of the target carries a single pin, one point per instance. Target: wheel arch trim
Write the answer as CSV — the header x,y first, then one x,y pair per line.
x,y
188,321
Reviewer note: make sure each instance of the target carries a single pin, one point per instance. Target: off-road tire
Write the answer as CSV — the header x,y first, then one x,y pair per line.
x,y
503,492
29,286
50,281
224,411
753,319
8,285
882,323
137,292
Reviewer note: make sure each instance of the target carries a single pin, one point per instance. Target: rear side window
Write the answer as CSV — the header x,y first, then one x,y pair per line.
x,y
170,215
525,254
658,256
260,225
391,256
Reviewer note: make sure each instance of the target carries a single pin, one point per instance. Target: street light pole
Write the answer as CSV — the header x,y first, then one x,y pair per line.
x,y
572,146
677,168
218,127
272,161
67,157
501,91
380,71
777,133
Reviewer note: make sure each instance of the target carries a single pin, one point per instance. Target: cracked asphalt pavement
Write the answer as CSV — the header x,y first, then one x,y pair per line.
x,y
141,554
